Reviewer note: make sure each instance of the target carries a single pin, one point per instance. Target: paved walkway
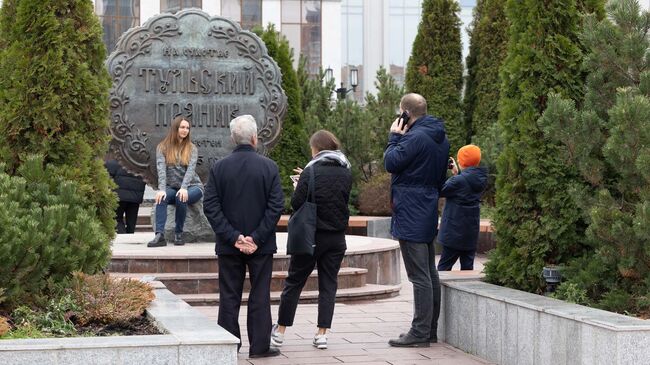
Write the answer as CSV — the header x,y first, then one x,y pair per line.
x,y
359,335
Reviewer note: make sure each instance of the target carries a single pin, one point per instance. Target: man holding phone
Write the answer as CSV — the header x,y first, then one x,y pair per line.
x,y
416,156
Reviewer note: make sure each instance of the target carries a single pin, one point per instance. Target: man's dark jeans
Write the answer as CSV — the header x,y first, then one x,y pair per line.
x,y
420,263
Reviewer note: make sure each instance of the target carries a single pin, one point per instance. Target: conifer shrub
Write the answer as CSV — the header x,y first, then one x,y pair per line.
x,y
54,97
374,196
607,140
291,150
488,40
48,231
537,221
103,300
435,68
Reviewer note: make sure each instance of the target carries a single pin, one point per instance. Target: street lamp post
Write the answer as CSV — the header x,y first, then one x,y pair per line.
x,y
342,91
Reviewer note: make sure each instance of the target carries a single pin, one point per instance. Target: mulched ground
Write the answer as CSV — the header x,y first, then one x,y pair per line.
x,y
139,326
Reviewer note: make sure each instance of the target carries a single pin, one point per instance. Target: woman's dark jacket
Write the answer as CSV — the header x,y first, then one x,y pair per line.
x,y
130,188
333,184
461,217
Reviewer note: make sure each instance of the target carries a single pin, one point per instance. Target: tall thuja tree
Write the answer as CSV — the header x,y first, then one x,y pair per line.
x,y
608,140
488,40
537,221
54,103
435,67
54,97
491,38
291,150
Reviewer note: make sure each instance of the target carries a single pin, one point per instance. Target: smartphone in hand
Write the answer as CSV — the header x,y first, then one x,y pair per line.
x,y
404,119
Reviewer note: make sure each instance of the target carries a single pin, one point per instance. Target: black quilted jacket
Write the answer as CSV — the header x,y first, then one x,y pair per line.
x,y
333,184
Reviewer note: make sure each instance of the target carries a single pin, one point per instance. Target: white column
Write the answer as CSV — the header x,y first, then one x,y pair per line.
x,y
272,13
212,7
331,37
148,8
374,12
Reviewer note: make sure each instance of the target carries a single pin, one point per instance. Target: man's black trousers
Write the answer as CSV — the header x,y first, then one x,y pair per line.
x,y
232,272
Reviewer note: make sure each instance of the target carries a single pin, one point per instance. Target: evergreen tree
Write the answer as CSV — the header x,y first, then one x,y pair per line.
x,y
54,103
381,111
488,40
291,150
316,97
49,231
435,67
537,221
608,140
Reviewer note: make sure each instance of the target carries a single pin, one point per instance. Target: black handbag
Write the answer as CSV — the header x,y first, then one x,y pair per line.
x,y
301,229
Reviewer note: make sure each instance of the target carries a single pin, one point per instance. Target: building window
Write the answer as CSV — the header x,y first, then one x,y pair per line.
x,y
403,20
301,24
248,13
117,16
172,6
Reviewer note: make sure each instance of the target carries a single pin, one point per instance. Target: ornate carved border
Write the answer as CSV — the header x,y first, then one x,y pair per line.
x,y
129,143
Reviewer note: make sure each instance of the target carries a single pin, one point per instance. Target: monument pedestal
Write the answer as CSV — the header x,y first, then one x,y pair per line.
x,y
196,228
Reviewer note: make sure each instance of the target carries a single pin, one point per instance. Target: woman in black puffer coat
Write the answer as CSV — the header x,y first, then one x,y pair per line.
x,y
333,181
130,191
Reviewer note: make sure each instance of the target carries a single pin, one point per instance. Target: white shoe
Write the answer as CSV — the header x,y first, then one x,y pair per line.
x,y
277,338
320,342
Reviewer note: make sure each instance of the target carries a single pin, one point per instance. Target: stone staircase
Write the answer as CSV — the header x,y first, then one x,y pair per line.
x,y
191,271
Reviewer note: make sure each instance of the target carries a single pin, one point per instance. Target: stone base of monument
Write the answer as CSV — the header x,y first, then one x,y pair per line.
x,y
196,228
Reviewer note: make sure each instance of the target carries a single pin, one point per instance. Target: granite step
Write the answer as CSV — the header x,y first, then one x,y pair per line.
x,y
208,283
366,292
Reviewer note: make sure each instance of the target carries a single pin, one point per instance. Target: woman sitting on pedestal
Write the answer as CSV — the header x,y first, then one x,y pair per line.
x,y
178,182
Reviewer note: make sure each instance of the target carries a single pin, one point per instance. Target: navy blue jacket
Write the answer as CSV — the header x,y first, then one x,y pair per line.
x,y
130,188
244,196
461,218
417,161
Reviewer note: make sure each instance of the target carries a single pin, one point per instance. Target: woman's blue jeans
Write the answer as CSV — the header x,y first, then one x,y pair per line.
x,y
194,194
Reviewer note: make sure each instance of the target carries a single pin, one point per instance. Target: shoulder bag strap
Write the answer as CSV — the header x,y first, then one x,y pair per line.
x,y
312,185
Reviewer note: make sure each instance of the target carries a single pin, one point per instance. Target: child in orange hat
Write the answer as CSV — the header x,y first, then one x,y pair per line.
x,y
461,217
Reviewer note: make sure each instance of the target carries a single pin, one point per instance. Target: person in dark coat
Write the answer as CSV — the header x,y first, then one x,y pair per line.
x,y
243,203
130,191
332,185
416,156
461,218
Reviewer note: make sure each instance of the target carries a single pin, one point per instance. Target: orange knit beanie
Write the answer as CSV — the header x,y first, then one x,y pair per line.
x,y
469,155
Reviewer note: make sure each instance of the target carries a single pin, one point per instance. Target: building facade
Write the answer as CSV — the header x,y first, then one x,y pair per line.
x,y
336,34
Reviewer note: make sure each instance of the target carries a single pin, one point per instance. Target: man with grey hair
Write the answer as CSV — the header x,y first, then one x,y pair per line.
x,y
243,203
416,156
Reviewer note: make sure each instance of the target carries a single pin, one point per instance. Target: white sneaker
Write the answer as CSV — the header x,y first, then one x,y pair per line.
x,y
320,342
277,338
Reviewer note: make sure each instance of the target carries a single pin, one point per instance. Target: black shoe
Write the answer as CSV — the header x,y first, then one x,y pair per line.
x,y
432,338
178,239
408,340
272,351
158,241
